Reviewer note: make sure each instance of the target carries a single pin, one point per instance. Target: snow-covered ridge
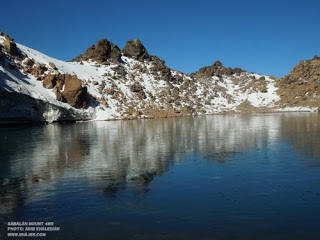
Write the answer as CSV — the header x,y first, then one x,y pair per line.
x,y
132,88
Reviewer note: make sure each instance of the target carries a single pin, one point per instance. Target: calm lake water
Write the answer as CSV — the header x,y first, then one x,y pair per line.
x,y
210,177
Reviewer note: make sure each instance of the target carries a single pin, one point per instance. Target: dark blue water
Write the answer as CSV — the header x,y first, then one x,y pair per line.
x,y
208,177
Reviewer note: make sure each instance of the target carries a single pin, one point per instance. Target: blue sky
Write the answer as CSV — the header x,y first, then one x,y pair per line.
x,y
263,36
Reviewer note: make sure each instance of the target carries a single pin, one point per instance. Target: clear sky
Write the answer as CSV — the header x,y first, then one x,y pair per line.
x,y
262,36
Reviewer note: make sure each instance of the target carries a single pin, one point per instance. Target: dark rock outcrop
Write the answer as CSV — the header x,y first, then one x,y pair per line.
x,y
316,57
10,47
136,50
216,69
1,54
101,52
159,66
138,89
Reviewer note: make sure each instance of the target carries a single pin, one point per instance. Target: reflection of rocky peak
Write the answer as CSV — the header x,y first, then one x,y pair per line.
x,y
136,50
216,69
100,52
302,84
110,155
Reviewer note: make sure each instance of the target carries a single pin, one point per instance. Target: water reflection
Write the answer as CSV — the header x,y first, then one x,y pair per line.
x,y
111,155
303,132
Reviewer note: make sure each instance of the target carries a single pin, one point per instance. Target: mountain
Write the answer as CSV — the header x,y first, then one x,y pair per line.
x,y
106,83
301,87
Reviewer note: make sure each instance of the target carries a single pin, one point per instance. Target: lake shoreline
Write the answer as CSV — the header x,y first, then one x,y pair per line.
x,y
16,122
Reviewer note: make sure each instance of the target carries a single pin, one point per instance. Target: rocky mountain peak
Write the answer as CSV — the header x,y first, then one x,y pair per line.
x,y
216,69
217,64
316,57
304,71
135,49
302,84
101,52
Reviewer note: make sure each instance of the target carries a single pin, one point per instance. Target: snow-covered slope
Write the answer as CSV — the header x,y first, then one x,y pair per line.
x,y
125,88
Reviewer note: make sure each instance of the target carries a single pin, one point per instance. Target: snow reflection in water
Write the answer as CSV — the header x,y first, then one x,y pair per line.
x,y
121,172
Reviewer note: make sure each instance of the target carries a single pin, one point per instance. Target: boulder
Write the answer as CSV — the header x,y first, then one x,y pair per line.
x,y
28,62
263,89
49,81
52,65
72,83
36,71
74,94
10,47
77,99
136,87
136,50
41,66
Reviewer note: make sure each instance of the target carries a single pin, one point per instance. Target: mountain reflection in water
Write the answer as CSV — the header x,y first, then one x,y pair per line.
x,y
39,163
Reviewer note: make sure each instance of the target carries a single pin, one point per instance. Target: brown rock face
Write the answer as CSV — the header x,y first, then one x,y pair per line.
x,y
36,71
77,99
49,82
100,52
60,80
136,50
301,87
74,94
10,47
216,69
72,84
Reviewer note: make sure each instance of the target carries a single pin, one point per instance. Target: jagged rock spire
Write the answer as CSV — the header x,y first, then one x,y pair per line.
x,y
100,52
136,50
